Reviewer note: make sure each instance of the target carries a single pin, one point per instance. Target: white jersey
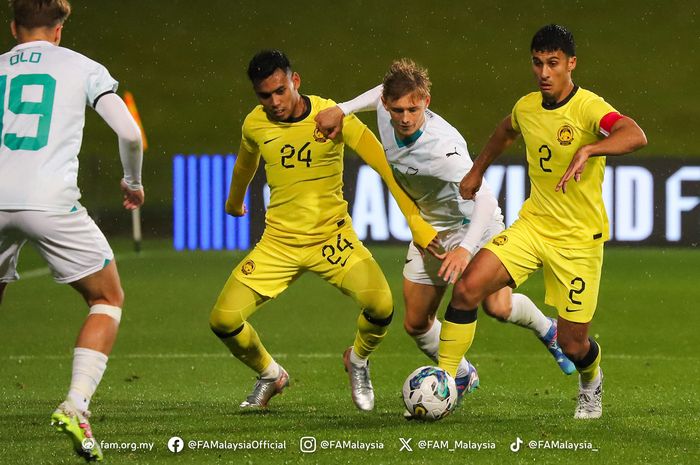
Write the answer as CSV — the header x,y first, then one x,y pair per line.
x,y
44,90
430,166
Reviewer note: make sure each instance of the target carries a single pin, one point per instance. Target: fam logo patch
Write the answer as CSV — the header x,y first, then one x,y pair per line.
x,y
500,240
565,135
318,136
248,267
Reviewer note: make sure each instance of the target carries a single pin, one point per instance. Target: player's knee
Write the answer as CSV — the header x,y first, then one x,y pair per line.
x,y
465,294
113,295
223,323
573,347
381,305
416,328
497,310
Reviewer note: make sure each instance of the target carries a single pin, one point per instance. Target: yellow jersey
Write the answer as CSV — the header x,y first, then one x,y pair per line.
x,y
305,173
577,218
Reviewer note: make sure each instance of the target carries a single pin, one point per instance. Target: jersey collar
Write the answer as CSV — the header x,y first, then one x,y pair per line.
x,y
33,43
304,115
412,138
563,102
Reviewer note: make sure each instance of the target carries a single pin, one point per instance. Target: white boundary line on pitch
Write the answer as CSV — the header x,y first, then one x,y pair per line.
x,y
175,356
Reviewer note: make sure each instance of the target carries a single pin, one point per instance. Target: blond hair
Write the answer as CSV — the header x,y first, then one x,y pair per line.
x,y
405,77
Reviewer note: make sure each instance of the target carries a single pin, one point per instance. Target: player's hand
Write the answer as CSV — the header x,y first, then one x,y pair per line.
x,y
132,198
330,121
234,210
436,248
575,169
454,264
470,185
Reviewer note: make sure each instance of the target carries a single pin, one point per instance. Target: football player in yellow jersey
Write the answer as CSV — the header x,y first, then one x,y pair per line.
x,y
562,225
307,226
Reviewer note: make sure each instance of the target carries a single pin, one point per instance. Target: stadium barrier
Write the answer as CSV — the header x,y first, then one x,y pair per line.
x,y
648,202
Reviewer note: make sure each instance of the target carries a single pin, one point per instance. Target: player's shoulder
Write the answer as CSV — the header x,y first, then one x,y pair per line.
x,y
529,101
320,103
68,55
255,117
440,131
585,97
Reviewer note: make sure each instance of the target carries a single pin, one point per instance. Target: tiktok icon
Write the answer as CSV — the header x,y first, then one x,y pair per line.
x,y
515,446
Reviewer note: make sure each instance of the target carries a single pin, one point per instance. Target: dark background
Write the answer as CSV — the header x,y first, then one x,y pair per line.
x,y
185,63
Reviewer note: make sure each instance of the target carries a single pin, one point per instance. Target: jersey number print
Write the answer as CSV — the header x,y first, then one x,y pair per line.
x,y
43,108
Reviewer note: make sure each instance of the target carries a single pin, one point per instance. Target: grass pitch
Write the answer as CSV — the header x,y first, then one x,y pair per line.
x,y
169,376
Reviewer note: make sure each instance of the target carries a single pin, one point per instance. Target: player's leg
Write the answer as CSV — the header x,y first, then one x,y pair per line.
x,y
422,302
366,284
518,309
263,274
484,276
11,243
572,280
423,290
78,254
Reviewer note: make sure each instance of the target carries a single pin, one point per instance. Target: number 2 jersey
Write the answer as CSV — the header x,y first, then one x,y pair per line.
x,y
577,218
44,90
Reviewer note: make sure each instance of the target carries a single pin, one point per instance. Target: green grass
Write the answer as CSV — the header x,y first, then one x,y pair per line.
x,y
170,376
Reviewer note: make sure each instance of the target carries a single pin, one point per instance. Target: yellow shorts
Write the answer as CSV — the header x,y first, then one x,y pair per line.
x,y
571,276
273,265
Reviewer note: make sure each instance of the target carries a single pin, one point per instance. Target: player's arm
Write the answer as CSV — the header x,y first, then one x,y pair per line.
x,y
371,151
243,171
501,139
625,136
115,113
330,120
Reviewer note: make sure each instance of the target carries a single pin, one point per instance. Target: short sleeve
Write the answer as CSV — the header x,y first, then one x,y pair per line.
x,y
353,129
99,82
594,111
247,142
514,117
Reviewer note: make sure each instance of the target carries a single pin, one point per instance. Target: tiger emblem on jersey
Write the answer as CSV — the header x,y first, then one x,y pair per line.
x,y
500,240
248,267
565,135
319,137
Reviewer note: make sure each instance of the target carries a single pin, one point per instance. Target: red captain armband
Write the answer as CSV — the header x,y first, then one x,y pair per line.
x,y
607,122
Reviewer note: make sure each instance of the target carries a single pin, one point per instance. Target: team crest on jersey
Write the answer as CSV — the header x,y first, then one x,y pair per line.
x,y
565,135
248,267
318,136
500,240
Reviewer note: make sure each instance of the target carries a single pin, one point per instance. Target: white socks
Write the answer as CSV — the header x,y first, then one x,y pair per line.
x,y
526,314
272,371
356,359
88,367
428,343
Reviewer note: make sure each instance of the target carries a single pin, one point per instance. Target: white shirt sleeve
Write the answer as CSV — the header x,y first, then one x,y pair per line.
x,y
485,205
367,101
114,111
99,82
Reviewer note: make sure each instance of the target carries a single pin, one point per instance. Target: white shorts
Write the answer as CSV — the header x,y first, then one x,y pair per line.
x,y
71,243
424,270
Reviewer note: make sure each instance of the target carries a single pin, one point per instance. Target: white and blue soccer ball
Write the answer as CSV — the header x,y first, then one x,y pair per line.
x,y
430,393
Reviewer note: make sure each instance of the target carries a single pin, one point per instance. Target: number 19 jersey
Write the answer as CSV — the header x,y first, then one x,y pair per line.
x,y
43,93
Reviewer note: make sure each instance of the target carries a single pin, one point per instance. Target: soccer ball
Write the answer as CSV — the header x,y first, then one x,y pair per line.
x,y
430,393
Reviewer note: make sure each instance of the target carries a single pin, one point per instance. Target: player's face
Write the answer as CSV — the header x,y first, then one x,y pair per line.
x,y
279,95
407,113
553,73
